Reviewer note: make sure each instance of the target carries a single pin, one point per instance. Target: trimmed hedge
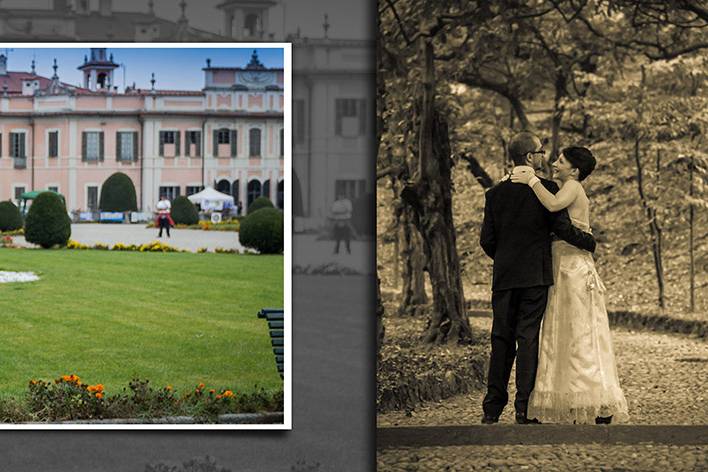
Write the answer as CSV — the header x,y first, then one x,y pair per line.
x,y
184,212
118,194
10,217
262,230
47,221
258,203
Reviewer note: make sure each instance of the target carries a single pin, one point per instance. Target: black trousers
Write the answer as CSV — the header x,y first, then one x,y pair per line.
x,y
517,321
164,224
342,231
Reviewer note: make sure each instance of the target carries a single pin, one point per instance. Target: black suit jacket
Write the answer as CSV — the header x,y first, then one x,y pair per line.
x,y
516,233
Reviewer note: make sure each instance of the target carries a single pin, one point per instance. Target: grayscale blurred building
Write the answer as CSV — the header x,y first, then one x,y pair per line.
x,y
333,116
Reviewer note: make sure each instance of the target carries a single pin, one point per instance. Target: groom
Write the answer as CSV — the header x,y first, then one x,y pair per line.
x,y
516,233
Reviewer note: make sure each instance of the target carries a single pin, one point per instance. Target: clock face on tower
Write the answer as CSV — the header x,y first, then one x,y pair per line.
x,y
256,79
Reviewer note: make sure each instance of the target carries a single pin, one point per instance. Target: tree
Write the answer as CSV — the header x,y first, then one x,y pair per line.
x,y
118,194
262,230
47,223
10,217
184,211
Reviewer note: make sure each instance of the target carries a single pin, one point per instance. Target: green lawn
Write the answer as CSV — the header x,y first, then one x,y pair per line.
x,y
173,318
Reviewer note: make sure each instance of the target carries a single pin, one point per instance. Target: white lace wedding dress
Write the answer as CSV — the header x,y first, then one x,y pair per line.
x,y
577,378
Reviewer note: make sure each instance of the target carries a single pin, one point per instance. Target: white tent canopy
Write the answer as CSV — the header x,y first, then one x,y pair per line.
x,y
210,199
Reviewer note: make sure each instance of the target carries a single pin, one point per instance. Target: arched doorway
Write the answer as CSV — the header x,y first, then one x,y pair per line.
x,y
280,199
254,191
265,192
224,186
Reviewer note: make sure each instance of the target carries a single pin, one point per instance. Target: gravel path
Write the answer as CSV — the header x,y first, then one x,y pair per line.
x,y
663,377
594,457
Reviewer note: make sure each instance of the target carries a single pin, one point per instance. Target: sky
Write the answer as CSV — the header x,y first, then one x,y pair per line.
x,y
348,19
176,69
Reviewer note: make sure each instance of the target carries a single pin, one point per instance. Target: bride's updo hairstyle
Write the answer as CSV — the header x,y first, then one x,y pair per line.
x,y
582,159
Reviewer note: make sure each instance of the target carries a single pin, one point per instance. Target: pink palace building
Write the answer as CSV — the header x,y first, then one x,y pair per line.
x,y
70,139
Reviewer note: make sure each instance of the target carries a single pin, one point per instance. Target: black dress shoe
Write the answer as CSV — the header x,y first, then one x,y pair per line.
x,y
521,419
603,420
487,419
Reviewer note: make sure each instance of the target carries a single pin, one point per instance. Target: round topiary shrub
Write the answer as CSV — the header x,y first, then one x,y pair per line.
x,y
258,203
184,212
262,230
47,221
10,217
118,194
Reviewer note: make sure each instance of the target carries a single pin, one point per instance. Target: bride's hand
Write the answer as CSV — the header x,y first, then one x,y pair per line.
x,y
522,175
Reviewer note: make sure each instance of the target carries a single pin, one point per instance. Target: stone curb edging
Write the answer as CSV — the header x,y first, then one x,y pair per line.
x,y
238,418
442,436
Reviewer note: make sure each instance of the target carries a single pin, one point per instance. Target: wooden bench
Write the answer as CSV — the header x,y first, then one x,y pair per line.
x,y
276,326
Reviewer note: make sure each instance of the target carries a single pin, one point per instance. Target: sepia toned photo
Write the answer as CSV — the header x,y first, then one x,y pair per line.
x,y
541,235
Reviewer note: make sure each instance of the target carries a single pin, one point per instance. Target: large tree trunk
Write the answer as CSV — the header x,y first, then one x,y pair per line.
x,y
654,229
414,298
379,319
430,196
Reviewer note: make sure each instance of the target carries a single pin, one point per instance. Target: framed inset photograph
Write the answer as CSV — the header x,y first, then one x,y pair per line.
x,y
145,253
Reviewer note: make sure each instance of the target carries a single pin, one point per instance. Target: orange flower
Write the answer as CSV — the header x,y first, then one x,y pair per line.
x,y
33,382
168,388
95,388
212,391
201,386
99,395
218,397
228,394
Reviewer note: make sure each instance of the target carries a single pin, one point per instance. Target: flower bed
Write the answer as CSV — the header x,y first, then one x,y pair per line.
x,y
68,398
154,246
229,225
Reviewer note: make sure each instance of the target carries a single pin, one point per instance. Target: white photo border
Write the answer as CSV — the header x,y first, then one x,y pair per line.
x,y
287,250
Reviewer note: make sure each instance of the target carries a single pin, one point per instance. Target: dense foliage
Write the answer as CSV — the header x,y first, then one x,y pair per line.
x,y
260,202
184,212
262,230
48,222
10,217
118,194
625,78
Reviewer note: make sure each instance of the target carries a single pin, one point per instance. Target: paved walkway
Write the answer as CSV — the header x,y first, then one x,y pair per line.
x,y
189,239
663,377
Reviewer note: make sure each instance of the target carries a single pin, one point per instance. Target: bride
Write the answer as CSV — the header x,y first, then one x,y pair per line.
x,y
576,380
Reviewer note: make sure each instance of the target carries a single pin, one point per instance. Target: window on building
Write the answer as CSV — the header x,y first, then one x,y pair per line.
x,y
92,145
53,188
254,142
282,143
349,188
222,136
170,192
350,117
126,145
253,192
298,121
0,144
53,143
92,198
17,144
194,138
18,193
192,189
169,137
